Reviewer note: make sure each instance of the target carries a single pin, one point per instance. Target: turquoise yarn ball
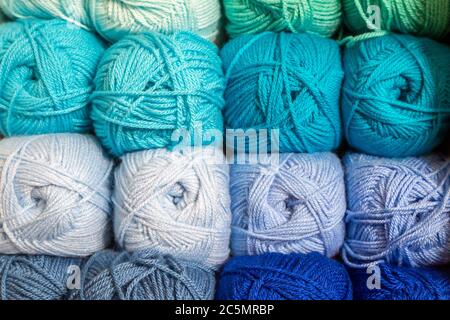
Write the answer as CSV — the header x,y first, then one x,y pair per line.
x,y
255,16
46,77
151,86
289,82
396,95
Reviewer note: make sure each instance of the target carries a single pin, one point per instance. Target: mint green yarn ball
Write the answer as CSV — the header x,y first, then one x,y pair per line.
x,y
46,77
255,16
429,18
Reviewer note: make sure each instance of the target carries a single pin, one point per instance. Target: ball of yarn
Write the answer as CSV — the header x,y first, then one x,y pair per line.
x,y
149,86
176,202
38,277
54,195
396,95
298,206
113,19
46,77
288,82
419,17
72,11
143,275
398,210
255,16
401,283
276,276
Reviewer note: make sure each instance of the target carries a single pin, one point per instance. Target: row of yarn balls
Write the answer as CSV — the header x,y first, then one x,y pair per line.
x,y
388,95
114,19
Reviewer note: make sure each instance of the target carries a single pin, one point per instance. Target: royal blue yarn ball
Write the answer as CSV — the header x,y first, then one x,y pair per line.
x,y
153,90
276,276
36,277
46,77
401,283
396,95
289,82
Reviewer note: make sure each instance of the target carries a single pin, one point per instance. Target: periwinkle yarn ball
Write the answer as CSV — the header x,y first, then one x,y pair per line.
x,y
143,275
418,17
288,82
72,11
46,77
296,206
176,202
276,276
114,19
150,86
55,195
255,16
36,277
396,95
398,210
401,283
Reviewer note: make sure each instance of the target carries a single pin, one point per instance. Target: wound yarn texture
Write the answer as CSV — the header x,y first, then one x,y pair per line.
x,y
418,17
35,277
175,202
275,276
396,95
255,16
402,283
55,195
150,86
295,206
288,82
46,77
114,19
143,275
398,210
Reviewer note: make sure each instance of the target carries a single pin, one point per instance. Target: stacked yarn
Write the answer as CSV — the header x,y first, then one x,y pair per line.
x,y
54,195
275,276
114,19
176,202
143,275
255,16
401,283
289,82
418,17
46,77
150,86
398,210
297,206
37,277
396,95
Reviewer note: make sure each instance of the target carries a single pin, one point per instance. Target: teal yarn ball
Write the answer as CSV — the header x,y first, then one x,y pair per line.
x,y
72,11
114,19
149,87
46,77
288,82
396,95
322,17
419,17
143,275
36,277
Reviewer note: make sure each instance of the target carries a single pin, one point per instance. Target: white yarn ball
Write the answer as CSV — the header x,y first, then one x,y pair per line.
x,y
55,195
175,202
113,19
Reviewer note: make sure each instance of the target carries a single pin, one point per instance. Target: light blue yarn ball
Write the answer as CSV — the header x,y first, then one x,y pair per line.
x,y
296,206
36,277
46,77
396,95
150,86
143,275
289,82
398,210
